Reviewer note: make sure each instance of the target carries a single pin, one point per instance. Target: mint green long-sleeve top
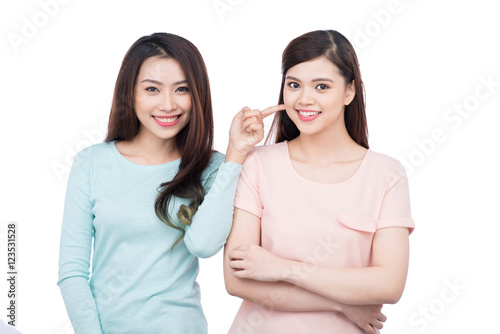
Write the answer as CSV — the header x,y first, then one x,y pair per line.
x,y
138,284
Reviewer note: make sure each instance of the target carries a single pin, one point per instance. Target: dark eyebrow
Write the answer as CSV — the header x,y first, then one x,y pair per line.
x,y
180,82
289,77
161,84
152,81
314,80
323,79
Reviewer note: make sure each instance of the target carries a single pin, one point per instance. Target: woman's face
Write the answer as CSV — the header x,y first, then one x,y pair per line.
x,y
162,98
315,95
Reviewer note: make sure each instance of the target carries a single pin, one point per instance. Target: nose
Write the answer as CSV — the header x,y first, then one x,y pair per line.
x,y
305,97
168,102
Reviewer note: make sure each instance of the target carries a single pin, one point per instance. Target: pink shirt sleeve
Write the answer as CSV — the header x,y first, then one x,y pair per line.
x,y
396,211
247,194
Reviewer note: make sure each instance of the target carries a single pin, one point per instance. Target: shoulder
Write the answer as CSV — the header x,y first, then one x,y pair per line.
x,y
217,158
96,149
385,167
268,153
381,159
264,161
96,152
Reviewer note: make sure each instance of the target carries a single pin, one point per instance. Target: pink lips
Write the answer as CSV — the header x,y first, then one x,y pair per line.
x,y
310,118
164,124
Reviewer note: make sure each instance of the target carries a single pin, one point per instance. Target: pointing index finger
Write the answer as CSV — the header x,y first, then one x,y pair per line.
x,y
271,110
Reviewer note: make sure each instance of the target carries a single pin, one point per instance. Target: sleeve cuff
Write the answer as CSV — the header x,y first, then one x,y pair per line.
x,y
397,222
231,167
240,203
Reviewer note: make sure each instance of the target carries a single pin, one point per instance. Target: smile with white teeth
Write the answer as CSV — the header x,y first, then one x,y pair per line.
x,y
309,113
166,119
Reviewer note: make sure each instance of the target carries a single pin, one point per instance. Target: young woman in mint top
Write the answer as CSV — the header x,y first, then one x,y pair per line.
x,y
143,206
321,225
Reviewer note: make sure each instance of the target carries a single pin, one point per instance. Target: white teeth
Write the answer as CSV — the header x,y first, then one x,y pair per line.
x,y
309,113
166,120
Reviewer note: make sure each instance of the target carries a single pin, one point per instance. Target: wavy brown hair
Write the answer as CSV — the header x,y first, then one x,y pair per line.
x,y
336,48
194,141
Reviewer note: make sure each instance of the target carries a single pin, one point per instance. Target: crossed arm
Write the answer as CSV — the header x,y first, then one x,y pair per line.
x,y
256,275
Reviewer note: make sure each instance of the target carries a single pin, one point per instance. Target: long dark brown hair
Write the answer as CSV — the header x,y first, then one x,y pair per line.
x,y
194,141
336,48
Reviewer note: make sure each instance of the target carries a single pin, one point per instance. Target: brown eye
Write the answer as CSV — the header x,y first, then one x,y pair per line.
x,y
322,87
183,89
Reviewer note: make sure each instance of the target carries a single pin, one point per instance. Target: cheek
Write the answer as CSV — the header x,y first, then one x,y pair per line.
x,y
289,101
287,97
331,101
290,113
188,111
144,103
186,103
188,116
139,108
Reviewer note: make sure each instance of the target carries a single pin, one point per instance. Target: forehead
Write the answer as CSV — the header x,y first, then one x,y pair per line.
x,y
168,69
319,67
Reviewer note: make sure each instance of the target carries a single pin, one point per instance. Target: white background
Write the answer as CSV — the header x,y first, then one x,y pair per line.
x,y
421,61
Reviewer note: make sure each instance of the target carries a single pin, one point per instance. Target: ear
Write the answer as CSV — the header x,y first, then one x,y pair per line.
x,y
350,92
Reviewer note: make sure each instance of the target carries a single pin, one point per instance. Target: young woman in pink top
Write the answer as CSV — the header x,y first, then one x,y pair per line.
x,y
321,225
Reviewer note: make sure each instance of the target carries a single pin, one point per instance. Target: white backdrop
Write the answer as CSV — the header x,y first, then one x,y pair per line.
x,y
432,79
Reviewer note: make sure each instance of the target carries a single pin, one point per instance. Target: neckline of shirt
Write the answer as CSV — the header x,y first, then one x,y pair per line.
x,y
126,161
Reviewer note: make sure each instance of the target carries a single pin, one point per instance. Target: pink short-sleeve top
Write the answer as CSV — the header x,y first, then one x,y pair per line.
x,y
322,224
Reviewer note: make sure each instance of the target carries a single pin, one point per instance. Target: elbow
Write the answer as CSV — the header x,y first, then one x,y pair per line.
x,y
203,253
392,295
390,287
202,250
232,291
231,286
392,299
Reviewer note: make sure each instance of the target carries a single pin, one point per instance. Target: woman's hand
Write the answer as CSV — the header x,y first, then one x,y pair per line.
x,y
254,262
367,317
247,130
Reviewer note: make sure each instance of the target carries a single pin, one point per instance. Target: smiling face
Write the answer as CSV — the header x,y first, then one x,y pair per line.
x,y
315,95
162,98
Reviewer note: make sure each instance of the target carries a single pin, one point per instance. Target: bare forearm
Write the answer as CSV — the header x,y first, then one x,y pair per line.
x,y
280,295
357,286
382,283
284,296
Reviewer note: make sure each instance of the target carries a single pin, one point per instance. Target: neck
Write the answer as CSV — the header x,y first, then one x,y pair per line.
x,y
326,147
153,149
